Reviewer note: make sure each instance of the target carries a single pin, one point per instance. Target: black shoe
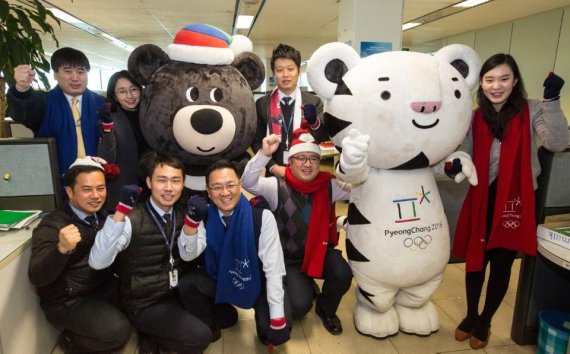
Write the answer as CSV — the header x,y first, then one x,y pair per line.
x,y
147,345
216,333
65,343
330,322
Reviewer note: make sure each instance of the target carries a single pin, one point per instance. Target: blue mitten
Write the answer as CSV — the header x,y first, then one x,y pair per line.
x,y
129,195
310,115
197,211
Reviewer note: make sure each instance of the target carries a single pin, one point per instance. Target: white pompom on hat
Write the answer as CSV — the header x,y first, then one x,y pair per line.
x,y
303,141
89,161
202,44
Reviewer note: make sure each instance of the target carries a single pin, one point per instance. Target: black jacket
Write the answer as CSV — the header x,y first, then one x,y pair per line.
x,y
262,106
62,277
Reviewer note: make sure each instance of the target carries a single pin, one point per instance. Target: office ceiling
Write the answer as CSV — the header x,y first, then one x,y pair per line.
x,y
303,23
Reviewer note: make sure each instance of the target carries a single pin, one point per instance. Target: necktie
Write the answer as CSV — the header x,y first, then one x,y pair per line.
x,y
77,119
286,100
91,220
168,225
227,219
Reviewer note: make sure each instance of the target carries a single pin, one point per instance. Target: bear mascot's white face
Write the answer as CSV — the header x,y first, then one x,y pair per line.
x,y
415,107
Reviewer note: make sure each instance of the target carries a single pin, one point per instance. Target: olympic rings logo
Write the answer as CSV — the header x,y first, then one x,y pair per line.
x,y
511,224
417,242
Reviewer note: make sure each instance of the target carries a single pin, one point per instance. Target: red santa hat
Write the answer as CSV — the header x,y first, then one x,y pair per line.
x,y
303,141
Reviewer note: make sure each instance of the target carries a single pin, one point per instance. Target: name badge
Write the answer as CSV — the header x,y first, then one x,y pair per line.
x,y
173,275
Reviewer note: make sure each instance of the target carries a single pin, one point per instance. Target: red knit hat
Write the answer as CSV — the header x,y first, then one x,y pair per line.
x,y
303,141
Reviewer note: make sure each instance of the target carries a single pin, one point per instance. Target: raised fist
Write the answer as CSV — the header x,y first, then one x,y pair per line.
x,y
104,114
129,195
24,75
69,237
270,144
354,149
310,114
197,211
552,86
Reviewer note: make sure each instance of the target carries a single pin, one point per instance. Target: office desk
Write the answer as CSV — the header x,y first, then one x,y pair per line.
x,y
544,283
23,326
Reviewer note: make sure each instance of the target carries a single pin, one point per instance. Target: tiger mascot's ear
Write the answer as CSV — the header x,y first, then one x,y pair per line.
x,y
327,66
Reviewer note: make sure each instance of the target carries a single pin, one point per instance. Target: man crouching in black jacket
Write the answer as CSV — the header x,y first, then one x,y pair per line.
x,y
77,299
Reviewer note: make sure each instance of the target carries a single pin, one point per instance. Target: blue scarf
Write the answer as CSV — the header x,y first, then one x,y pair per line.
x,y
58,123
231,256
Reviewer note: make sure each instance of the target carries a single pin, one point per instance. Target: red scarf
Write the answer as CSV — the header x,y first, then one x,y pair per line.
x,y
514,224
322,230
275,114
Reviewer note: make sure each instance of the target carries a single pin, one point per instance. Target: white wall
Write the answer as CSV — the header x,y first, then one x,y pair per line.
x,y
539,43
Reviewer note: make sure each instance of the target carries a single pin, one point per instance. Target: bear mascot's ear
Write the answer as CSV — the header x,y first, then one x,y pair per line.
x,y
145,60
247,63
464,59
251,67
327,66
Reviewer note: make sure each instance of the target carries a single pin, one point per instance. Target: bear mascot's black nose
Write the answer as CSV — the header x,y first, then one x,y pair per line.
x,y
206,121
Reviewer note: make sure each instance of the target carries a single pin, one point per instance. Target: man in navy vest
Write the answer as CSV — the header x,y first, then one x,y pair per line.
x,y
148,242
243,257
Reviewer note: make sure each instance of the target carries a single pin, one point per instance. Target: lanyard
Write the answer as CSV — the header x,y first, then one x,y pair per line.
x,y
156,220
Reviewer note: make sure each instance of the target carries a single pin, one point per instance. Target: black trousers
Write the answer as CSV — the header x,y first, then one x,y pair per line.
x,y
174,328
91,324
337,278
198,293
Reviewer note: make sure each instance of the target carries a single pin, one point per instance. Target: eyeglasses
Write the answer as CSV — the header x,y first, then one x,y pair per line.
x,y
217,188
134,91
303,159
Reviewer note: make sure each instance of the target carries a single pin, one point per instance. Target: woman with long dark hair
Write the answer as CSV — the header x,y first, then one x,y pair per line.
x,y
127,143
497,219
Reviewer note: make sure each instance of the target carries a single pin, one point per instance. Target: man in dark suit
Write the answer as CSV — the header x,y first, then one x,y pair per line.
x,y
283,110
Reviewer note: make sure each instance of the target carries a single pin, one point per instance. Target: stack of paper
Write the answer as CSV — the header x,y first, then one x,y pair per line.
x,y
16,219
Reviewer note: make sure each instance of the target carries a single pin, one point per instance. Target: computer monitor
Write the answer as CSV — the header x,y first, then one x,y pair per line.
x,y
29,174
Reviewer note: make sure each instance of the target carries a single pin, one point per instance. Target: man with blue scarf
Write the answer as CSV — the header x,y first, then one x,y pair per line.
x,y
243,256
69,112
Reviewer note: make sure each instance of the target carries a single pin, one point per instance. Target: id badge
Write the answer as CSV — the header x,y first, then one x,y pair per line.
x,y
173,275
285,157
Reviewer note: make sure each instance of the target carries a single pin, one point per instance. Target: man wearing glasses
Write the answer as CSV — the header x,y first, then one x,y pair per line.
x,y
243,257
303,204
